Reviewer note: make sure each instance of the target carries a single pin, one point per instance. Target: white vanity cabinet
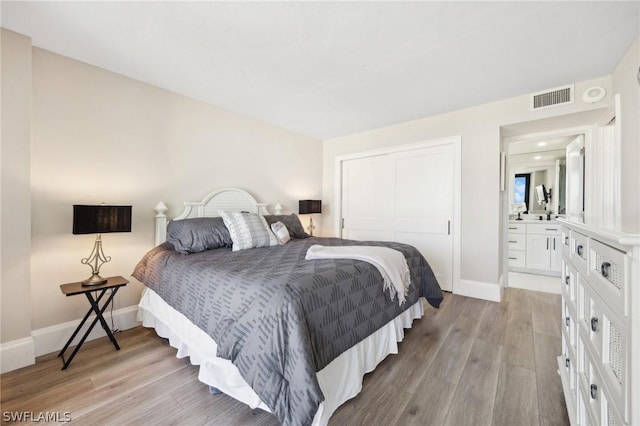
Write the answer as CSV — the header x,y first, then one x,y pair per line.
x,y
535,247
600,361
543,247
517,243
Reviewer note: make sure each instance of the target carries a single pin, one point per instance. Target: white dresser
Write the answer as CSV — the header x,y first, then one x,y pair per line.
x,y
600,361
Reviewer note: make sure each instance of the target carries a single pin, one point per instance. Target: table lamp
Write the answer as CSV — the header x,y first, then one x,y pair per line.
x,y
99,219
310,207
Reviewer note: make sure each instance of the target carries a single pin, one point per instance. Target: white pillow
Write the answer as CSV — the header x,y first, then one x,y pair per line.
x,y
281,231
248,230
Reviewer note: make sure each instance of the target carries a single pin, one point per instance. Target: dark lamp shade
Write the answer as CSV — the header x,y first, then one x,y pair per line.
x,y
309,206
101,219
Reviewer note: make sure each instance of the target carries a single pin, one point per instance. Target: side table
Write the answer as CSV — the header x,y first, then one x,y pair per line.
x,y
72,289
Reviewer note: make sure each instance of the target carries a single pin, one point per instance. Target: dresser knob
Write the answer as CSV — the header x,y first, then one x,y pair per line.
x,y
579,250
567,321
594,391
604,269
594,324
567,361
566,280
566,241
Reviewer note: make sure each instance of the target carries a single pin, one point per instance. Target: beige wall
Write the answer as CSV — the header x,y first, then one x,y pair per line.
x,y
15,204
100,137
625,82
480,130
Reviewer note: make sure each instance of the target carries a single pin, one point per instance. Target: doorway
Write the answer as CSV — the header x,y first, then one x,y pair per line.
x,y
536,190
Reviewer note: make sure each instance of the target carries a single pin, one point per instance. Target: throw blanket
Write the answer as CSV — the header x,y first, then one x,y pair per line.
x,y
389,262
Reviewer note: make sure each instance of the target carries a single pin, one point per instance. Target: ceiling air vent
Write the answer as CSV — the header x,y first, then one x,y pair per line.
x,y
552,97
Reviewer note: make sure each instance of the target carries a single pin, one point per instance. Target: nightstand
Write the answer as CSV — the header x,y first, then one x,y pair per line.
x,y
71,289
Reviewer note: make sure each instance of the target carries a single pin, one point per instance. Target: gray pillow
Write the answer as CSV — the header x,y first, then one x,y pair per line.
x,y
198,234
291,221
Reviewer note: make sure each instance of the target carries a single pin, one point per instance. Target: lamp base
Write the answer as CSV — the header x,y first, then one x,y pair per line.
x,y
94,279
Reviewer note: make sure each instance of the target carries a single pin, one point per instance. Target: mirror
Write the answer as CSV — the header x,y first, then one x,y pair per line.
x,y
536,173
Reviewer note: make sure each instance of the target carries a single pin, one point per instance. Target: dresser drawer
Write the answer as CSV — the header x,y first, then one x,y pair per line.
x,y
570,284
566,242
598,402
579,250
516,258
517,241
604,336
608,273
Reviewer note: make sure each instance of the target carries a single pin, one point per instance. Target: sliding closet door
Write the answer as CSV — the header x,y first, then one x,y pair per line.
x,y
367,196
406,197
424,206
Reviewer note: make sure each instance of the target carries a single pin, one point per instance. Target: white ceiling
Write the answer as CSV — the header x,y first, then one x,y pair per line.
x,y
328,69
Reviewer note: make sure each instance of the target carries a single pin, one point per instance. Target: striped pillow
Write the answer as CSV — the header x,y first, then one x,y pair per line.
x,y
248,230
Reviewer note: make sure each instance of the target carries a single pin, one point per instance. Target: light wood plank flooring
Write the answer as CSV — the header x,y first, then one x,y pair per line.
x,y
472,362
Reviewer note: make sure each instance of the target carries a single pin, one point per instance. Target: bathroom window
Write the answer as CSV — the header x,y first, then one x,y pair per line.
x,y
521,188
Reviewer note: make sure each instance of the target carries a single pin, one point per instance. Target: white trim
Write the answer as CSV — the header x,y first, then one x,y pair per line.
x,y
456,141
535,282
52,339
17,354
569,131
479,290
586,130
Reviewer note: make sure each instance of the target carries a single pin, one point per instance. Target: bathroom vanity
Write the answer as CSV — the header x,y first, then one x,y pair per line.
x,y
535,246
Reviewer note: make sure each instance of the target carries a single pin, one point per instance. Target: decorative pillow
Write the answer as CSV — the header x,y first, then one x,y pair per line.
x,y
291,221
248,230
198,234
282,234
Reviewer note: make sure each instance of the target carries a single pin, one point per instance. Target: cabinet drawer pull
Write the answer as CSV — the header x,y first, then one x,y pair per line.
x,y
512,241
604,269
567,361
594,391
513,258
547,243
550,229
566,241
579,250
594,324
566,280
567,321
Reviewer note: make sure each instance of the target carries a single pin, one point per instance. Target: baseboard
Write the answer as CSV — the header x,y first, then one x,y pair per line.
x,y
479,290
535,282
52,339
17,354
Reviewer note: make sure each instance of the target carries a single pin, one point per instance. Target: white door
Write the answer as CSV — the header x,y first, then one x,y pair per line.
x,y
406,197
575,179
367,199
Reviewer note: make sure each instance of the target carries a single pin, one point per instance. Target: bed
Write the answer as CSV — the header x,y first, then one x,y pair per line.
x,y
266,326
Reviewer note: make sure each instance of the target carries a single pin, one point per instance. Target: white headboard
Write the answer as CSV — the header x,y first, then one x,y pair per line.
x,y
231,199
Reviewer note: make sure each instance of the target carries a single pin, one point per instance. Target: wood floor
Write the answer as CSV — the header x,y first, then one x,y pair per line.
x,y
472,362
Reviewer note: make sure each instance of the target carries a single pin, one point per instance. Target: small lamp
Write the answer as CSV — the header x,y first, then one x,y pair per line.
x,y
99,220
310,207
518,208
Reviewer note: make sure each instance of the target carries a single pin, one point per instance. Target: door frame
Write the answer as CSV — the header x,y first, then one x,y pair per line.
x,y
456,143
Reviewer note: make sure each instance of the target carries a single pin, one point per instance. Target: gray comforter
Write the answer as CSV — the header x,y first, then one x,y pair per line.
x,y
278,317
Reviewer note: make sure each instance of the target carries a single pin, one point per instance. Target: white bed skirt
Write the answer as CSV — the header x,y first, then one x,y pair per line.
x,y
340,380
